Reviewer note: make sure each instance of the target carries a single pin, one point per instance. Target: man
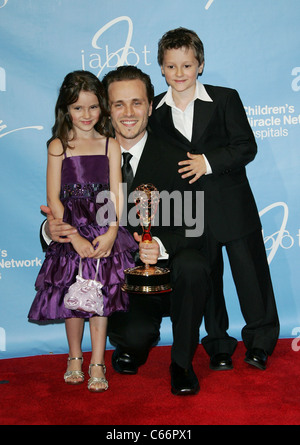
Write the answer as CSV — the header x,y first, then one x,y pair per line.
x,y
130,96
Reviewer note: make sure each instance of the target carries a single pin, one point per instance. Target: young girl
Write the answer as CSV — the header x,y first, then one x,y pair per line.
x,y
83,161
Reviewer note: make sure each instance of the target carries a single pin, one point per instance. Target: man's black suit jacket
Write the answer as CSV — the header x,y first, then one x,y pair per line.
x,y
222,132
158,165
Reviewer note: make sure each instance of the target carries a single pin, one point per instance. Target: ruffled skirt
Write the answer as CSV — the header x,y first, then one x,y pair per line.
x,y
60,269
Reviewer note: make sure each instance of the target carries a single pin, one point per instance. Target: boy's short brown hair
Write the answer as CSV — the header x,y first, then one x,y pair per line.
x,y
178,38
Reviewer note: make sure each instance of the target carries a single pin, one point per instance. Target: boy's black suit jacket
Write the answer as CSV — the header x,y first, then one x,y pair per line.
x,y
222,132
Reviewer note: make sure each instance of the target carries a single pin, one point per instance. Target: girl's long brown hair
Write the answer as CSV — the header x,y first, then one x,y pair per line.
x,y
72,85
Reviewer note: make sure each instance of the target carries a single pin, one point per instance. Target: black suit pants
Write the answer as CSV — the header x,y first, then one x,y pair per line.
x,y
251,275
138,329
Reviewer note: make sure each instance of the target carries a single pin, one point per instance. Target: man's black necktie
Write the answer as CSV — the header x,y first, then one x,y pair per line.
x,y
127,172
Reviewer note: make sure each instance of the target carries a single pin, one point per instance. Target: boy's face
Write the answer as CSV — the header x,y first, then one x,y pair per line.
x,y
181,68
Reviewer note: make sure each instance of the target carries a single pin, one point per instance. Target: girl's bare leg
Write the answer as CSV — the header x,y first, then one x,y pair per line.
x,y
74,330
98,328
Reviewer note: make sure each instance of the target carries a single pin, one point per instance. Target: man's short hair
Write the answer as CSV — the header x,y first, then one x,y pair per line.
x,y
129,72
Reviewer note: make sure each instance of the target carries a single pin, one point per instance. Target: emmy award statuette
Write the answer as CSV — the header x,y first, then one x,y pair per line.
x,y
146,279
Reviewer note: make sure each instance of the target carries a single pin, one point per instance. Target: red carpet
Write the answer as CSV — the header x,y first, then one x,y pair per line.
x,y
37,395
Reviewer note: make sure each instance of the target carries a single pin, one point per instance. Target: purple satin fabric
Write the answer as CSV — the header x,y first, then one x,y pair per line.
x,y
82,178
83,170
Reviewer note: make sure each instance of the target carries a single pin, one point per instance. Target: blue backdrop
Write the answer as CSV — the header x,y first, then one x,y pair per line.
x,y
250,45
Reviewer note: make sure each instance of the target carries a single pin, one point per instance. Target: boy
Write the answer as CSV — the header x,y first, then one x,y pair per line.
x,y
210,125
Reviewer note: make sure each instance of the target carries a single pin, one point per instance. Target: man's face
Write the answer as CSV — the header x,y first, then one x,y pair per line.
x,y
130,110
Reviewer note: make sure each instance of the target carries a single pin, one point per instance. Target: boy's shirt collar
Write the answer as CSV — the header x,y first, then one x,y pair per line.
x,y
200,93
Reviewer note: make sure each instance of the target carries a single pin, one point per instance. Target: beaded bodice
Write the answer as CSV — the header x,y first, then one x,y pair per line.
x,y
90,190
82,178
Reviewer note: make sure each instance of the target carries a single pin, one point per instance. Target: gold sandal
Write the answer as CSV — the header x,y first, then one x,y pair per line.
x,y
71,374
94,380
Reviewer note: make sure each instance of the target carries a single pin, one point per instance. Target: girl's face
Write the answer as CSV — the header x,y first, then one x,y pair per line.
x,y
85,112
181,68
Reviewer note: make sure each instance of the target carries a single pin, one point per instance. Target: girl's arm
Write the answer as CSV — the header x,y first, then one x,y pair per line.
x,y
103,244
55,158
115,179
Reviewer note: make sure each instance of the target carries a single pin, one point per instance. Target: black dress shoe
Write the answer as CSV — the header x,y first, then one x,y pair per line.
x,y
123,363
257,357
184,382
221,362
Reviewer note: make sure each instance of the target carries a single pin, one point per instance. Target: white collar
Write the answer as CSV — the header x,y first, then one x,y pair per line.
x,y
200,93
138,148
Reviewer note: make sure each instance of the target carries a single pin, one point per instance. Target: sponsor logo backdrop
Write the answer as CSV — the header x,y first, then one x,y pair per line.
x,y
250,45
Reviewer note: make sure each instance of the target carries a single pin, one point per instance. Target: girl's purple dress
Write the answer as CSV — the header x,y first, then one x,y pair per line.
x,y
83,177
